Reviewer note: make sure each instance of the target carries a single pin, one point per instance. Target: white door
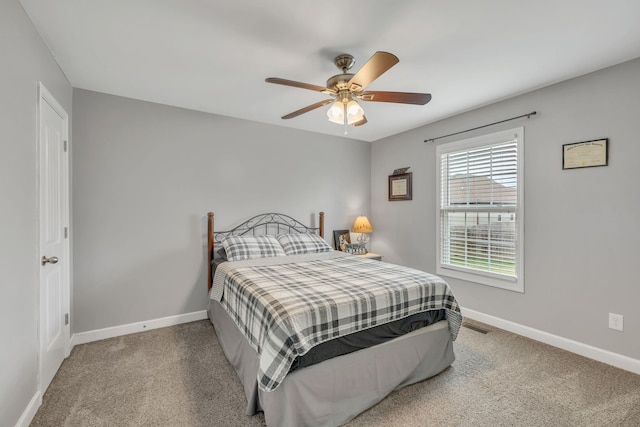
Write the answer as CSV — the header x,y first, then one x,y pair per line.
x,y
54,263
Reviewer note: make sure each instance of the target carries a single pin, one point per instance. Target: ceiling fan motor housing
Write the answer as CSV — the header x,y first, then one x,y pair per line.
x,y
339,84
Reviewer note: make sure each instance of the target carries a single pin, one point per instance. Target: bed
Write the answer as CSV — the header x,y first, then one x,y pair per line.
x,y
318,336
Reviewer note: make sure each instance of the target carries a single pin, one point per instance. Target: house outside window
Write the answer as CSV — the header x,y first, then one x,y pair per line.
x,y
480,209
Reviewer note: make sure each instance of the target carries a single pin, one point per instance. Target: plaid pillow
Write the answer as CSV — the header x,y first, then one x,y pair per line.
x,y
295,244
239,248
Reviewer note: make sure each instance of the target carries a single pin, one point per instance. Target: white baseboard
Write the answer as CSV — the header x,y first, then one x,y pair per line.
x,y
30,410
604,356
116,331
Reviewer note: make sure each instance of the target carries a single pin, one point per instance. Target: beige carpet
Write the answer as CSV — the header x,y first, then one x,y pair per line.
x,y
178,376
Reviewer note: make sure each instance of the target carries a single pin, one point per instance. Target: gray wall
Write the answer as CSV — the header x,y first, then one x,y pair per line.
x,y
146,174
581,226
25,61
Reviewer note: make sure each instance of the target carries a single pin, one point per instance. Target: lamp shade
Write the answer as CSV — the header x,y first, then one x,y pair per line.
x,y
355,112
336,113
362,225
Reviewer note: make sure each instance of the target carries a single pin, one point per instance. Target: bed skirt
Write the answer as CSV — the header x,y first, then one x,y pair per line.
x,y
335,391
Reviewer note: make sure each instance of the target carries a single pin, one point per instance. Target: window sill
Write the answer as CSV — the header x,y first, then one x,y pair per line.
x,y
482,278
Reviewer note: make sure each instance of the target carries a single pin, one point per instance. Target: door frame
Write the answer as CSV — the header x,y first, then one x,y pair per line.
x,y
44,96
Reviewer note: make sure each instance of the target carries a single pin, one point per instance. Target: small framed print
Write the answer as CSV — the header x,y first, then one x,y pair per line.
x,y
341,238
400,186
585,154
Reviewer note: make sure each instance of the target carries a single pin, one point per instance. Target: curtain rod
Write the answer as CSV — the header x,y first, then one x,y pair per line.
x,y
528,115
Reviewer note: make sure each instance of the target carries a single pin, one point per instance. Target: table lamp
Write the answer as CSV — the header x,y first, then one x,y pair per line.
x,y
364,227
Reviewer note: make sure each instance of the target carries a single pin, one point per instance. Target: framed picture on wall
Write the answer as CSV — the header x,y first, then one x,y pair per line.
x,y
341,238
400,186
585,154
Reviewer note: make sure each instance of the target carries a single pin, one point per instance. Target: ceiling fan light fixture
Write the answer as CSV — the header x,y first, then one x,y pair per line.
x,y
355,112
335,113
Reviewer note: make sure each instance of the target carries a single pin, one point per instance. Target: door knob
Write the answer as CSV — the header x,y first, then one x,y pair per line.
x,y
52,260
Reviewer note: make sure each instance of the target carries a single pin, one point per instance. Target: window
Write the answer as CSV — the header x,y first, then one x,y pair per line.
x,y
480,208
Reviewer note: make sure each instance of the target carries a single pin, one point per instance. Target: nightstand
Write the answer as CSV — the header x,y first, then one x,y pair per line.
x,y
371,255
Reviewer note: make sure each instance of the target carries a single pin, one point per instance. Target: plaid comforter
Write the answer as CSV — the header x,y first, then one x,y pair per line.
x,y
286,305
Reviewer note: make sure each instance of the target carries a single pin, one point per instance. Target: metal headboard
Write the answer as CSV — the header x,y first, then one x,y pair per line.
x,y
268,223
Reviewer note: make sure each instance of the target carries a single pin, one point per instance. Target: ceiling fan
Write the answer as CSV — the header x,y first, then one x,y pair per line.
x,y
346,89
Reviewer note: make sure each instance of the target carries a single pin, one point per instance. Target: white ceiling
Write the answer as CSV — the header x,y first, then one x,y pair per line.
x,y
213,55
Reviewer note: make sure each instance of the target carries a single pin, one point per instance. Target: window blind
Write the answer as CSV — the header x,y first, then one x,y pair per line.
x,y
479,208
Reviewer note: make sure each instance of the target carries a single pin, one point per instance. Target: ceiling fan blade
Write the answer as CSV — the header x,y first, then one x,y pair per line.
x,y
308,108
377,65
360,122
285,82
398,97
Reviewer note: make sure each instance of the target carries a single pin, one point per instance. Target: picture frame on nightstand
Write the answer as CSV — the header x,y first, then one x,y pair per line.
x,y
341,238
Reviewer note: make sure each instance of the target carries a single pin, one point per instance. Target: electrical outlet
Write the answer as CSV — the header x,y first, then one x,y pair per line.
x,y
616,321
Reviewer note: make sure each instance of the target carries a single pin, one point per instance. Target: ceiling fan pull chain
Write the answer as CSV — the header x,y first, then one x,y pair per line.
x,y
346,129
